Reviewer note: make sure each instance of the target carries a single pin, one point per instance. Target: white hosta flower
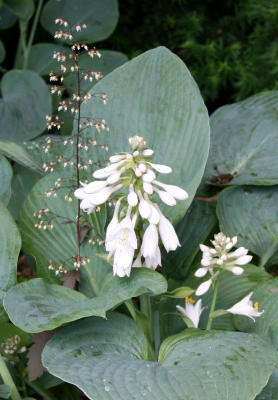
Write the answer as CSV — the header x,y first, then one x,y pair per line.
x,y
203,288
117,158
147,152
113,178
112,227
125,244
155,261
246,307
192,311
148,188
175,191
168,234
166,197
163,169
154,218
144,208
149,176
137,262
150,242
236,270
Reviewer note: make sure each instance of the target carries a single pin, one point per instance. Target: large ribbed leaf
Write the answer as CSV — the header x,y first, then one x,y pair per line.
x,y
100,16
251,213
23,110
155,95
35,306
5,180
192,230
244,141
10,243
231,289
109,360
270,391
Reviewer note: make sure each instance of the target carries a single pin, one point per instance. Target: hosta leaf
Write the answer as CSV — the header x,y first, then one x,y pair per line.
x,y
270,391
192,230
109,360
108,62
244,142
22,9
23,110
20,155
22,182
36,306
231,289
100,16
251,214
5,180
41,58
7,18
10,244
155,95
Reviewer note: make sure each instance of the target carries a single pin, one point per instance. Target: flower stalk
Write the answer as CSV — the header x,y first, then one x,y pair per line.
x,y
213,304
8,380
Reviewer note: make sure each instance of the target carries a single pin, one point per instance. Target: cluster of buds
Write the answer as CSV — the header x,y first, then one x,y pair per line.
x,y
215,260
133,171
53,122
220,257
11,345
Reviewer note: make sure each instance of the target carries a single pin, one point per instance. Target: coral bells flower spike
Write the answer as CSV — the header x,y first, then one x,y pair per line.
x,y
136,176
246,307
192,311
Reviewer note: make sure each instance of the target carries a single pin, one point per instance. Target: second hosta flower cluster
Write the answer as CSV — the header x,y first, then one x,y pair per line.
x,y
136,208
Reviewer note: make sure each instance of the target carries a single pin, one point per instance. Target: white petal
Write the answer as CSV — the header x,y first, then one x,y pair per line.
x,y
201,272
100,174
166,198
117,158
177,192
243,260
168,234
237,270
80,194
163,169
148,187
113,167
132,199
149,176
204,248
100,197
155,216
113,178
150,241
203,288
142,167
95,186
147,152
144,209
205,262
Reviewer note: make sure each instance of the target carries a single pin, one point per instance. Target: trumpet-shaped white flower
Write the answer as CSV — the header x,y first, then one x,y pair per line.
x,y
124,244
168,234
155,261
192,311
246,307
150,242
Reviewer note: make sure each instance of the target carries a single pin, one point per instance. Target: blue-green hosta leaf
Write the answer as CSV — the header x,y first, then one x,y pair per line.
x,y
35,306
231,289
155,95
5,180
100,16
41,58
270,391
2,52
109,360
26,101
22,9
10,244
244,141
22,182
7,18
17,153
192,230
251,214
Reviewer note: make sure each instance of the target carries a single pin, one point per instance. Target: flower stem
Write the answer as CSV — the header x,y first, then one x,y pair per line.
x,y
77,164
32,34
40,390
146,309
213,302
8,380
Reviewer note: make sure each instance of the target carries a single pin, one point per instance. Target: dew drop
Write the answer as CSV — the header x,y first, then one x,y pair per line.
x,y
107,388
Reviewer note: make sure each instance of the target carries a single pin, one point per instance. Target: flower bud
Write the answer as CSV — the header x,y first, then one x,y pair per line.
x,y
201,272
163,169
203,288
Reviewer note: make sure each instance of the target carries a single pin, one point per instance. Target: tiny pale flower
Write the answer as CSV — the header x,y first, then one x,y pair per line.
x,y
192,311
246,307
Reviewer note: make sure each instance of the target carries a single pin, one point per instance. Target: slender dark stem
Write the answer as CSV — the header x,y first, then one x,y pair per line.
x,y
32,34
77,167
